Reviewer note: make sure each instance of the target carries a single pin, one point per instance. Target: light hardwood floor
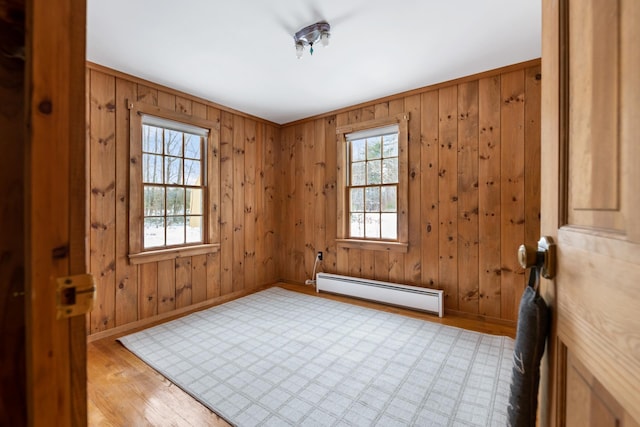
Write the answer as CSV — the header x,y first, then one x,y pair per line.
x,y
124,391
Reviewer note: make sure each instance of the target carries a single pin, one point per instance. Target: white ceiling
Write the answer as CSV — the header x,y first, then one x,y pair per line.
x,y
240,53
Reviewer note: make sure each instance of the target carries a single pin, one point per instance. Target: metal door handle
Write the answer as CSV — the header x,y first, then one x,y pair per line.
x,y
544,257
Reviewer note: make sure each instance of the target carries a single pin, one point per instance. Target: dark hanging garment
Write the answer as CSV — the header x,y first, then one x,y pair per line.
x,y
533,328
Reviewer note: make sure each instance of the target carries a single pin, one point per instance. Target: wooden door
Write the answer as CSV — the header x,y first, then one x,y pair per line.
x,y
591,206
55,196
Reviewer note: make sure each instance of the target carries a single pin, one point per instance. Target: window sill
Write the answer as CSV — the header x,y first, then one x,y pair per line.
x,y
373,245
172,253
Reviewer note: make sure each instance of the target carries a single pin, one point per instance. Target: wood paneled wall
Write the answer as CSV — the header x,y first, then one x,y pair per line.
x,y
247,213
474,191
474,197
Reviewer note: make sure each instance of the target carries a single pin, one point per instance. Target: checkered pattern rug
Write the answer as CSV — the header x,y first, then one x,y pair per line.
x,y
281,358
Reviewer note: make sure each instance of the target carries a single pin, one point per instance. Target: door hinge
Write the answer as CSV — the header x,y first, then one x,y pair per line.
x,y
75,295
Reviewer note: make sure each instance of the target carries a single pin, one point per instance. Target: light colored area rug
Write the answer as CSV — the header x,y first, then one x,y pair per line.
x,y
280,358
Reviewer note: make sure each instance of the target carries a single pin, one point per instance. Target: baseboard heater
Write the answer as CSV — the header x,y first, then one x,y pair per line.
x,y
423,299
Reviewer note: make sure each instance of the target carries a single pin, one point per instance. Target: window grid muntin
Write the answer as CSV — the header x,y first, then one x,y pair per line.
x,y
186,215
379,158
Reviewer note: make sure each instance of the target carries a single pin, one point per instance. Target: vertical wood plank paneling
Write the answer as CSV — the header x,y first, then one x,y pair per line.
x,y
342,254
147,94
250,155
238,203
213,275
265,172
184,105
532,111
458,194
166,286
145,290
298,205
271,208
429,188
288,186
126,274
381,258
226,203
413,257
468,238
198,109
198,278
319,195
489,177
396,259
214,190
329,263
260,206
103,198
512,191
448,195
148,290
308,173
184,289
166,100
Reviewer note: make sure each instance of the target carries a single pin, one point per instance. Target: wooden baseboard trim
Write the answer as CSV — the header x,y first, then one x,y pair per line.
x,y
171,315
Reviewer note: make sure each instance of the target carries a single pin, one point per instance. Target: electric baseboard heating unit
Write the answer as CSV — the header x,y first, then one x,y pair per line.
x,y
388,293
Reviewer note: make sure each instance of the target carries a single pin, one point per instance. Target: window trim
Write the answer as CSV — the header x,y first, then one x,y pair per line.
x,y
342,236
211,239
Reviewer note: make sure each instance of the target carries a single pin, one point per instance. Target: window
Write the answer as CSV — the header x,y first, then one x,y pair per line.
x,y
372,185
173,183
172,174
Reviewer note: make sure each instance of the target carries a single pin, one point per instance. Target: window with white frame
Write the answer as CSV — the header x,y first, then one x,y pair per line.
x,y
372,184
173,183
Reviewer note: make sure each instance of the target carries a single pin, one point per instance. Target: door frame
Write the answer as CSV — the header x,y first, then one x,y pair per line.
x,y
55,198
550,206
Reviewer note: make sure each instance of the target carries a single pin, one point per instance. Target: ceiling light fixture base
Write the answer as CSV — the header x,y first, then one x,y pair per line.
x,y
308,36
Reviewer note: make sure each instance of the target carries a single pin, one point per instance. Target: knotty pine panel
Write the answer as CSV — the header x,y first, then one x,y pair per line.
x,y
468,238
512,201
330,251
247,151
308,155
102,188
184,289
429,192
270,208
467,143
319,190
413,258
126,274
489,177
250,132
448,195
226,202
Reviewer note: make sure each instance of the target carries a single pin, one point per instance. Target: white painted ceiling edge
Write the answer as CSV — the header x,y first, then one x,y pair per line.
x,y
241,54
